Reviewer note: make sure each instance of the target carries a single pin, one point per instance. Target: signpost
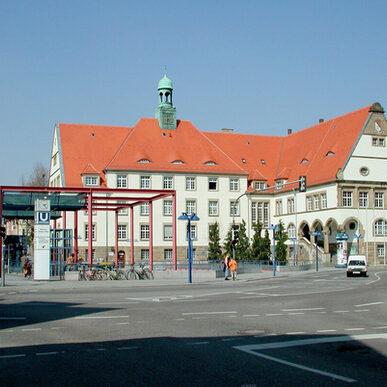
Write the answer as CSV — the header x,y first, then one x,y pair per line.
x,y
42,240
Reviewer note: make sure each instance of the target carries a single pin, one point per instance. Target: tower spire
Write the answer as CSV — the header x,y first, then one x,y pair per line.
x,y
166,112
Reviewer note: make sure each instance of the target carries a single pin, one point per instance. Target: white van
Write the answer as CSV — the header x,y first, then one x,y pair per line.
x,y
357,264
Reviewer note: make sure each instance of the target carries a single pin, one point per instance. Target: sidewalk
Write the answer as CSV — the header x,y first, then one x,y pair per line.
x,y
18,282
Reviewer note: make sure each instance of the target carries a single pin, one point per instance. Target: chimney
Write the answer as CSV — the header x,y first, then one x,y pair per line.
x,y
225,130
321,120
290,131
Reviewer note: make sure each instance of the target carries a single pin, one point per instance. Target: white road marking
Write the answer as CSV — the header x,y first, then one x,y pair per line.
x,y
123,323
46,353
191,313
57,327
361,310
11,292
377,279
11,356
97,317
341,311
31,329
274,314
13,318
294,333
354,329
301,309
117,302
326,330
314,370
385,327
293,343
370,303
251,315
293,314
180,319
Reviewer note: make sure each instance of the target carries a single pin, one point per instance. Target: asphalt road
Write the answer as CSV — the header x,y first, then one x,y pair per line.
x,y
314,329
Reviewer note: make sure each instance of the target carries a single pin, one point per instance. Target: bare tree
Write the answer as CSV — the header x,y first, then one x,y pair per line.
x,y
38,177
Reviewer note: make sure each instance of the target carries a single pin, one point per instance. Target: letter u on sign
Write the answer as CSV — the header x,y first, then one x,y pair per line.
x,y
42,217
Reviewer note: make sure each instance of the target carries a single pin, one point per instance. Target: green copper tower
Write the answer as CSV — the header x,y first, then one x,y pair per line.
x,y
166,112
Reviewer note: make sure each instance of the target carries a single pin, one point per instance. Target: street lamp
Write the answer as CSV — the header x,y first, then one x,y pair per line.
x,y
184,216
316,234
274,228
294,240
358,237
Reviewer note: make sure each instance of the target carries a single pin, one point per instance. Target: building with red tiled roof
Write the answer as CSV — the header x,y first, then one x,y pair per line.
x,y
228,177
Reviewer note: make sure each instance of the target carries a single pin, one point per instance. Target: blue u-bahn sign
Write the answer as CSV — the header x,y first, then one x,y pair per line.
x,y
42,218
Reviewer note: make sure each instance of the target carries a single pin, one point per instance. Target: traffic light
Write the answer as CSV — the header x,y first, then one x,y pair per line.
x,y
302,184
236,235
2,232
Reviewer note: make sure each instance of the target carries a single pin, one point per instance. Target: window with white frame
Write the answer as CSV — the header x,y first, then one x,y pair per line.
x,y
363,199
144,232
292,231
194,233
324,203
167,207
145,182
144,209
279,184
234,184
213,208
379,200
190,206
380,251
122,211
122,181
168,254
190,183
260,185
87,232
278,207
316,202
309,203
347,198
254,212
167,232
260,213
144,255
291,206
212,183
380,227
91,181
167,182
234,208
122,232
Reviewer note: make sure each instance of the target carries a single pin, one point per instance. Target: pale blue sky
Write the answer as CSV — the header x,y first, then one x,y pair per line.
x,y
255,66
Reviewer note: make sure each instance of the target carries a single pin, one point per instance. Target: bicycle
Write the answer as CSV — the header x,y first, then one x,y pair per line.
x,y
131,274
87,274
144,272
115,274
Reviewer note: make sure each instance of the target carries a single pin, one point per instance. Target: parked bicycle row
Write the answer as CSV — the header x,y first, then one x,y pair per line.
x,y
92,273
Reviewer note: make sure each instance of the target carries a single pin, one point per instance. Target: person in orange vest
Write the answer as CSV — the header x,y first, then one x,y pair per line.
x,y
233,268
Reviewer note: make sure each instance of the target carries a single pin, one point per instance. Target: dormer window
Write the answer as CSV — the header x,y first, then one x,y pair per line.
x,y
91,181
303,161
260,185
330,153
279,184
210,163
144,161
177,162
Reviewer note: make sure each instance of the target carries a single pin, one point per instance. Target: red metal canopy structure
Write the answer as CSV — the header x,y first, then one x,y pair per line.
x,y
18,202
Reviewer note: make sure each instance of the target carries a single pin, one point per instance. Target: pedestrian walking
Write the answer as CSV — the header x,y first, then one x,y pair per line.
x,y
226,267
233,268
